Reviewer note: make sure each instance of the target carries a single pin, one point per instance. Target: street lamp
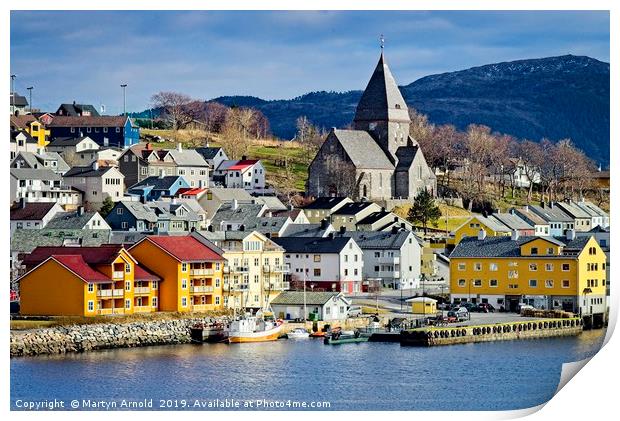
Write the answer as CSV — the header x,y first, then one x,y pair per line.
x,y
124,85
30,95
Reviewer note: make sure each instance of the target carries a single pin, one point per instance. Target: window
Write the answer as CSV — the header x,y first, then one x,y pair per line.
x,y
128,304
477,283
376,268
493,283
565,283
183,267
549,283
154,284
461,282
355,272
183,283
550,250
317,272
217,300
565,267
533,267
534,251
127,285
154,302
256,279
217,282
327,310
346,257
119,211
91,287
127,268
512,274
346,272
549,267
478,267
493,267
533,283
91,305
124,225
184,302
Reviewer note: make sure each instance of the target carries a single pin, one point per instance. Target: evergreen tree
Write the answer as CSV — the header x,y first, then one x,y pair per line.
x,y
106,207
424,210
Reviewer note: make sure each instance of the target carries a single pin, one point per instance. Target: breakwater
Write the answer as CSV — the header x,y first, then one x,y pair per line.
x,y
88,337
530,329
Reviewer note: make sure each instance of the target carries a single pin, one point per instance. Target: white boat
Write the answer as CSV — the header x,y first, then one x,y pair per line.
x,y
254,329
298,333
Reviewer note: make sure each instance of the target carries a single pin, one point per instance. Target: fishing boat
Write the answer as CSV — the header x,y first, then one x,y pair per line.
x,y
338,337
298,333
254,329
208,332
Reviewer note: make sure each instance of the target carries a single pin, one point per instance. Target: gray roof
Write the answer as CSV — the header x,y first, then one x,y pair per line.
x,y
228,195
139,210
363,150
511,221
208,152
32,174
69,220
353,208
382,240
297,298
306,230
272,202
29,139
312,244
26,240
551,214
17,100
326,202
37,160
382,99
265,224
158,183
528,214
571,209
126,237
67,141
241,214
505,246
87,171
592,209
165,209
188,157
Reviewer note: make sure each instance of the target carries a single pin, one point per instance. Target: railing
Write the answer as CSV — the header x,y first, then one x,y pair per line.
x,y
202,288
118,274
201,272
111,311
202,307
278,286
142,309
141,290
236,269
110,293
389,259
276,269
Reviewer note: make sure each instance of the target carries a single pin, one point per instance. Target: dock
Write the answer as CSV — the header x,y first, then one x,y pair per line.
x,y
530,329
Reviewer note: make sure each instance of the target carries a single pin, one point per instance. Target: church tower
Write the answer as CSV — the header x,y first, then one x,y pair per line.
x,y
382,111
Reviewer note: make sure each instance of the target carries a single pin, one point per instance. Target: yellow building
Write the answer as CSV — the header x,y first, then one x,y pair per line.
x,y
190,268
472,227
547,272
33,127
86,281
254,270
423,305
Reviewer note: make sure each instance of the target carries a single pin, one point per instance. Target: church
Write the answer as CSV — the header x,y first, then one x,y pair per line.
x,y
377,160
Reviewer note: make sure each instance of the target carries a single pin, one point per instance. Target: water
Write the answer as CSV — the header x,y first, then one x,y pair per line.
x,y
366,376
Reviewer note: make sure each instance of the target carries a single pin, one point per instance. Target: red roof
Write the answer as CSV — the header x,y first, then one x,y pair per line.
x,y
103,254
141,274
184,248
77,265
243,164
189,191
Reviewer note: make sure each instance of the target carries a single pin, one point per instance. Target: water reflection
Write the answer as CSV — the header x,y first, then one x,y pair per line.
x,y
371,376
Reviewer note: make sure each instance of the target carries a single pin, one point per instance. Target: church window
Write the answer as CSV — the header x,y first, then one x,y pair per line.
x,y
420,172
372,126
397,106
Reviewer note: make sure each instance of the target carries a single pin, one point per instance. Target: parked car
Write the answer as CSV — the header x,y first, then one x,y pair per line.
x,y
485,308
469,306
524,306
354,311
461,314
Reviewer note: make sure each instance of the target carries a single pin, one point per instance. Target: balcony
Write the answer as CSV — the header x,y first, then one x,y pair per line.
x,y
276,269
103,293
201,272
104,311
392,260
202,307
201,288
277,286
118,274
142,309
141,290
236,269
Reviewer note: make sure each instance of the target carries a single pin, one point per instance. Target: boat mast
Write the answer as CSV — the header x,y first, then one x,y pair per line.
x,y
304,279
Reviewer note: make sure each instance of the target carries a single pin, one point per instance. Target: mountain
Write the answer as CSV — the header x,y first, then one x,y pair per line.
x,y
554,97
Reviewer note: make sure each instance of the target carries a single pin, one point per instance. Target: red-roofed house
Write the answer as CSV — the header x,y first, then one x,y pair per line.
x,y
191,268
86,281
248,174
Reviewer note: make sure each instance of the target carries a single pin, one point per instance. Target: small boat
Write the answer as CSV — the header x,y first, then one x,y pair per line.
x,y
319,334
298,333
338,336
210,332
254,329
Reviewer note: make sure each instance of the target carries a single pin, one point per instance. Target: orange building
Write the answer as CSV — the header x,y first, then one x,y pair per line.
x,y
86,281
190,267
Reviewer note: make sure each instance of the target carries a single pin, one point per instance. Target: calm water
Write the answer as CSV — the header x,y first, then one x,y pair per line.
x,y
367,376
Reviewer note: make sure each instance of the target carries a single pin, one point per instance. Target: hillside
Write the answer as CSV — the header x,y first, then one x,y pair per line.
x,y
556,97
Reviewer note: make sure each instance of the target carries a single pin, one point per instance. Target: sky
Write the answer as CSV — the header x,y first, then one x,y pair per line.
x,y
86,55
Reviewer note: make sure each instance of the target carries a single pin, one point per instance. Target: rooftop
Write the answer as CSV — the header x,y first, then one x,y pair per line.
x,y
297,298
30,211
184,248
326,202
312,244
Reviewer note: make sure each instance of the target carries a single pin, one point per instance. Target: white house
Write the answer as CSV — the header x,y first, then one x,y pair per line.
x,y
598,216
391,258
32,215
247,174
324,264
97,183
40,160
328,306
21,141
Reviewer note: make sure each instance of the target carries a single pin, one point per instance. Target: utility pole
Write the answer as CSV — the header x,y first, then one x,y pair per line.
x,y
30,94
13,93
124,85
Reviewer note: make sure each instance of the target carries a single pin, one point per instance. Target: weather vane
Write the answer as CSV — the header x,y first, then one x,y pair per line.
x,y
382,40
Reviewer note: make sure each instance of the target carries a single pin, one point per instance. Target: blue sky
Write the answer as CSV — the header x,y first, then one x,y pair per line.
x,y
86,55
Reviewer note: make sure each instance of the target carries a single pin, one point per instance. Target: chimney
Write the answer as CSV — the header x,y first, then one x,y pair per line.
x,y
527,208
235,204
394,229
80,210
95,165
482,234
570,234
383,209
331,235
241,227
179,147
22,202
173,201
343,229
323,224
402,225
243,157
514,235
551,204
210,228
148,146
161,173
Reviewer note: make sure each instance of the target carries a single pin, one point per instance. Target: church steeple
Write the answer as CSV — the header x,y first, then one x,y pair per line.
x,y
382,111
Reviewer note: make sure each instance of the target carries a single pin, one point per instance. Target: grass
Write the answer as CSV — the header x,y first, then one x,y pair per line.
x,y
456,216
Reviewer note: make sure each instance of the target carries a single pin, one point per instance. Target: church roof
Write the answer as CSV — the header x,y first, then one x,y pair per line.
x,y
363,149
382,99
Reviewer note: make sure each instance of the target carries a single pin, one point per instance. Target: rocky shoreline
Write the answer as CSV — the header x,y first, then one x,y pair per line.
x,y
88,337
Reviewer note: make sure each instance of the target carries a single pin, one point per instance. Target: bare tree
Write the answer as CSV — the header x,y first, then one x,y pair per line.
x,y
309,137
175,106
215,116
